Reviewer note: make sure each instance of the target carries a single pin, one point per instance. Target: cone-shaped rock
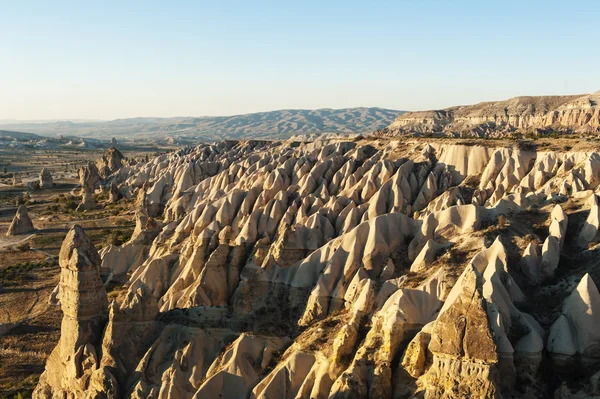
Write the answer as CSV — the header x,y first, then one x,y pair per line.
x,y
577,329
21,223
462,343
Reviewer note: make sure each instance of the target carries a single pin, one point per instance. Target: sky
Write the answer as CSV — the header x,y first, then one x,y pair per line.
x,y
108,60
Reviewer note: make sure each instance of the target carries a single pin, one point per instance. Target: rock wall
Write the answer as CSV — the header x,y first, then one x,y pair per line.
x,y
579,113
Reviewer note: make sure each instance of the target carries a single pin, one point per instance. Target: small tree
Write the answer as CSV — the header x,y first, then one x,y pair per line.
x,y
4,170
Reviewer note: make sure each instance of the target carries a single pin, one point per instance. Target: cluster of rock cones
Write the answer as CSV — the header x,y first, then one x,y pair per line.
x,y
335,270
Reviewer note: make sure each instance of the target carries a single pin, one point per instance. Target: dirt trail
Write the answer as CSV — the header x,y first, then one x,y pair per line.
x,y
6,242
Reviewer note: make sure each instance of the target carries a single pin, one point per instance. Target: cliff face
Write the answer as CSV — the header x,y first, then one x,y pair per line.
x,y
579,113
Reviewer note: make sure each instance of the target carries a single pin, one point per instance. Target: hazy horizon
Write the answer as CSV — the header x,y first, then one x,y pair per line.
x,y
83,120
72,61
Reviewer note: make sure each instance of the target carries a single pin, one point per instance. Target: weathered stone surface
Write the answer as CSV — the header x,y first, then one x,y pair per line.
x,y
496,119
88,178
84,305
463,331
113,193
21,223
576,330
46,179
111,161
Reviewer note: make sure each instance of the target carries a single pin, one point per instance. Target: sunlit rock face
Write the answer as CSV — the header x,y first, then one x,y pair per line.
x,y
46,179
577,113
73,367
336,269
89,178
21,223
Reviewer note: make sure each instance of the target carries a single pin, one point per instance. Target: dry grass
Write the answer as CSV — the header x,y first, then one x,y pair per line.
x,y
24,349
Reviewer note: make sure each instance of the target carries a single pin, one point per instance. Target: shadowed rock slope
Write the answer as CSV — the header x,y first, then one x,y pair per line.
x,y
340,270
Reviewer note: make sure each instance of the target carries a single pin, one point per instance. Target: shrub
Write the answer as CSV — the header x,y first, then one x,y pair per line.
x,y
502,222
70,205
24,246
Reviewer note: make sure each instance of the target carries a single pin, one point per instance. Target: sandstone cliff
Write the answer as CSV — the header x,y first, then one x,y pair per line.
x,y
578,113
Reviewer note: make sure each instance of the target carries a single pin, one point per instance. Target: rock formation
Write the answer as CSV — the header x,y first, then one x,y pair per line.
x,y
73,368
576,330
46,179
337,269
113,193
88,179
579,113
21,223
111,161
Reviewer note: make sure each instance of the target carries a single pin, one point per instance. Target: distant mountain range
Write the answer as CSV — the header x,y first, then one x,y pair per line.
x,y
280,124
6,134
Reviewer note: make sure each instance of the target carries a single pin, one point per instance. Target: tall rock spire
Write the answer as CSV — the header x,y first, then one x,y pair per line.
x,y
84,303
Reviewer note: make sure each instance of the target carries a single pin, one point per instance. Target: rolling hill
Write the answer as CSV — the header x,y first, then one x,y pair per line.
x,y
279,124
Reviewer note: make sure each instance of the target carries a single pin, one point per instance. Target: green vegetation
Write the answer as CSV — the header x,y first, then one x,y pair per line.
x,y
116,237
21,270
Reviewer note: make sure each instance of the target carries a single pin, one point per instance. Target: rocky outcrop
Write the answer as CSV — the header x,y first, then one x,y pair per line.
x,y
589,231
111,161
473,341
114,194
46,179
73,368
578,113
576,330
88,179
117,261
464,353
21,223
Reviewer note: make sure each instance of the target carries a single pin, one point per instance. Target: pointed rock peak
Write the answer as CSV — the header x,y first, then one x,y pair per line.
x,y
463,330
532,248
22,212
497,243
21,223
560,338
587,289
427,150
138,305
494,255
77,251
558,213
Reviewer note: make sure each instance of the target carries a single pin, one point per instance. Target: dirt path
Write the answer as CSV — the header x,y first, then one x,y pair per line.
x,y
6,242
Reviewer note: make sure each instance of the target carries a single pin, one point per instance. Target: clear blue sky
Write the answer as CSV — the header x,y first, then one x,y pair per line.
x,y
107,60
